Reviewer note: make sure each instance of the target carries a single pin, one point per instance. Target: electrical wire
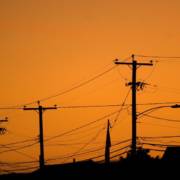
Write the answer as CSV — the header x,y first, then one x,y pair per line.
x,y
26,162
150,110
91,140
118,155
89,151
122,77
23,147
159,125
18,152
66,91
164,119
159,57
71,89
100,106
20,142
150,74
24,169
75,136
83,126
161,145
158,137
91,106
117,150
120,110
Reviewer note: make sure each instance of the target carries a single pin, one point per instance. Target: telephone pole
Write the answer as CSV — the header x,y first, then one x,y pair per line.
x,y
40,110
134,84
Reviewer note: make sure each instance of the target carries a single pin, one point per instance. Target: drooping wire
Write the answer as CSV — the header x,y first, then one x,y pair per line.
x,y
83,126
120,110
150,74
18,148
165,119
20,142
71,89
159,125
89,151
85,145
18,152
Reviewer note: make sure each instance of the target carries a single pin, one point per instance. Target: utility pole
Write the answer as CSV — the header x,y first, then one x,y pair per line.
x,y
40,110
108,144
134,85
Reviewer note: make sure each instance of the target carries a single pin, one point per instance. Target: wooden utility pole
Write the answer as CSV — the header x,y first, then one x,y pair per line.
x,y
40,110
134,65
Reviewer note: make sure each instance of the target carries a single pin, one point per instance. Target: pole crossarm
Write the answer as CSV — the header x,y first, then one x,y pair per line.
x,y
130,63
37,108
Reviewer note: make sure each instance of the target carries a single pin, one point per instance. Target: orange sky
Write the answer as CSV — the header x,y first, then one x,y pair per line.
x,y
48,46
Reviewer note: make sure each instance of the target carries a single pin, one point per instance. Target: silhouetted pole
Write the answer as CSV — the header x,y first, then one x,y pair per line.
x,y
134,131
40,110
108,144
134,65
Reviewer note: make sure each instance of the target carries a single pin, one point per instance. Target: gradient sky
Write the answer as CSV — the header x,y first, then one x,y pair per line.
x,y
48,46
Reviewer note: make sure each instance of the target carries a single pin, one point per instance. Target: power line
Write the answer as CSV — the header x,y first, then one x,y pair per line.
x,y
150,74
21,153
158,137
85,145
117,150
89,151
99,106
83,126
152,124
23,147
20,142
123,104
71,89
167,141
91,106
160,145
121,142
94,157
159,57
24,169
76,144
122,76
118,155
150,110
17,163
160,118
77,136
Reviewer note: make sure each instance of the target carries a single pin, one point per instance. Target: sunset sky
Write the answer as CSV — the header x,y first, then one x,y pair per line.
x,y
49,46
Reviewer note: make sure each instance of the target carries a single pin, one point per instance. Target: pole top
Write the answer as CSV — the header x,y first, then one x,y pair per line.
x,y
38,102
133,56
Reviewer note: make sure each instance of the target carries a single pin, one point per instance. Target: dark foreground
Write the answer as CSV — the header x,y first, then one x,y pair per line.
x,y
90,169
